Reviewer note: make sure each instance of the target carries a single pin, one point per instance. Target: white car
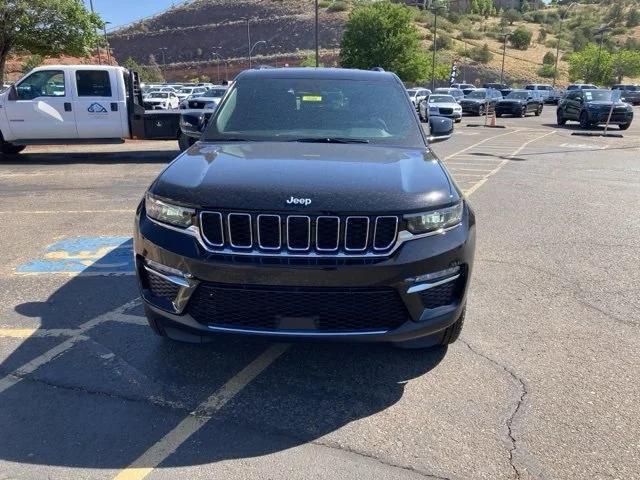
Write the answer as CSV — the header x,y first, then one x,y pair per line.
x,y
417,95
436,105
186,92
161,101
208,100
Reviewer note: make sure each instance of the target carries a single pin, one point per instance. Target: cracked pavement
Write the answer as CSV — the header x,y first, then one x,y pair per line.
x,y
541,385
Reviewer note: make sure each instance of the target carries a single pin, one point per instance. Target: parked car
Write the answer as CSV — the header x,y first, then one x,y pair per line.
x,y
501,87
417,95
186,92
465,87
161,101
547,92
436,105
581,86
592,107
519,103
477,101
456,93
207,100
628,93
270,183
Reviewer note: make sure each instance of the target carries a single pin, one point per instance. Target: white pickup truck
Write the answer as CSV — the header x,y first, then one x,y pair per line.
x,y
65,104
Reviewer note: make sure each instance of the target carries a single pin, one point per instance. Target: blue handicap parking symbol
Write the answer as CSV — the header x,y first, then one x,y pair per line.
x,y
85,255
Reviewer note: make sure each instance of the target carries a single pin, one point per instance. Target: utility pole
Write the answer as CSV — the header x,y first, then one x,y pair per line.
x,y
558,36
317,43
98,46
504,53
106,39
435,47
598,69
217,65
164,62
249,41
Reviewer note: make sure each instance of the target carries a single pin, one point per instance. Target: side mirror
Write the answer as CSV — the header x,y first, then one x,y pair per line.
x,y
13,93
440,129
192,125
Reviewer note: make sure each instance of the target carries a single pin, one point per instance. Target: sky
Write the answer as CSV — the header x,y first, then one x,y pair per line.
x,y
121,12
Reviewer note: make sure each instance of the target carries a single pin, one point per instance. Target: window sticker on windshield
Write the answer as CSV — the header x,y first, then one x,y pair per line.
x,y
312,98
588,95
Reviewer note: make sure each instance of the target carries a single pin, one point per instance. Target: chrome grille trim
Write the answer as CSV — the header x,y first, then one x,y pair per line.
x,y
250,229
293,249
221,229
262,215
375,231
346,235
337,234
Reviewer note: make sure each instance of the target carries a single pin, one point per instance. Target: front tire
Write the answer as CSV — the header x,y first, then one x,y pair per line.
x,y
523,112
185,141
481,110
584,120
624,126
560,118
538,111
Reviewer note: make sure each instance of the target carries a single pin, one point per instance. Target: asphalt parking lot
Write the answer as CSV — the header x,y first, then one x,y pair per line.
x,y
542,385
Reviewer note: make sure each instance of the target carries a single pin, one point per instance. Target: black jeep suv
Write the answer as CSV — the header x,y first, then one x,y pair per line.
x,y
312,206
594,107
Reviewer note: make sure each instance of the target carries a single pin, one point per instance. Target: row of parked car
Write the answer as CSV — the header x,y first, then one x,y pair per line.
x,y
584,103
192,96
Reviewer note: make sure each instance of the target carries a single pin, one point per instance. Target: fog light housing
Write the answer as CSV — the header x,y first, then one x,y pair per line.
x,y
447,272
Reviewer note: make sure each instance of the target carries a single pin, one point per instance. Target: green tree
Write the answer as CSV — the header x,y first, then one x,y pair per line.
x,y
549,59
511,15
481,54
520,38
625,63
32,62
310,61
47,28
148,73
382,34
591,65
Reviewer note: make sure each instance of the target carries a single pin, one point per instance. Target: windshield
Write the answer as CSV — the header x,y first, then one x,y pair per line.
x,y
186,90
412,93
286,109
159,95
215,92
597,95
518,95
441,99
477,94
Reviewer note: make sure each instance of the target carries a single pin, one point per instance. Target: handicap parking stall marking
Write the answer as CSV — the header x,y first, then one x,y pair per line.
x,y
102,255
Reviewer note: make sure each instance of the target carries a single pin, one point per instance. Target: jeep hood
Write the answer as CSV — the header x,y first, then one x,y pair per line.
x,y
337,178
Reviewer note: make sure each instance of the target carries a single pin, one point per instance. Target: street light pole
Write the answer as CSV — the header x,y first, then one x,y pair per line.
x,y
164,62
317,43
555,70
435,48
217,65
601,32
97,46
259,42
106,39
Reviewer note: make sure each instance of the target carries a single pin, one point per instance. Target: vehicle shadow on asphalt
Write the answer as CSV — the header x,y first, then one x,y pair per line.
x,y
98,158
114,394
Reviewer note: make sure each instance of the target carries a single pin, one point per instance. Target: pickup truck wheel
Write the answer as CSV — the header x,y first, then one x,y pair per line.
x,y
523,112
539,111
624,126
11,149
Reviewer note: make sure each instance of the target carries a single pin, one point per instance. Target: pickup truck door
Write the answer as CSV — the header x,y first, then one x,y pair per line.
x,y
42,107
98,104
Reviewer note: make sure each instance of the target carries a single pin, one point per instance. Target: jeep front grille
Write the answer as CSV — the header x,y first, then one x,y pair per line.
x,y
298,234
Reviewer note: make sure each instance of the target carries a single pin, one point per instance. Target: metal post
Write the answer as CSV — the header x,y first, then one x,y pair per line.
x,y
249,41
107,40
555,70
164,62
317,43
599,52
97,46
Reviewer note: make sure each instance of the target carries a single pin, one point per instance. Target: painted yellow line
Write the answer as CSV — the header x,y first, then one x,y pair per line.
x,y
17,332
155,455
481,142
19,373
505,161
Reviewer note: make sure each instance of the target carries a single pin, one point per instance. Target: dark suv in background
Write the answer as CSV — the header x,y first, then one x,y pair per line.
x,y
312,207
628,93
593,107
478,101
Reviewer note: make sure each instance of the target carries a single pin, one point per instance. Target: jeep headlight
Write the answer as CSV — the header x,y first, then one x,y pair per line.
x,y
435,220
168,213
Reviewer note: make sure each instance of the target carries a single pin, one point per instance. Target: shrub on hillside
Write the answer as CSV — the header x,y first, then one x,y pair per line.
x,y
443,42
548,59
471,34
511,15
633,18
481,54
547,71
520,38
542,35
337,6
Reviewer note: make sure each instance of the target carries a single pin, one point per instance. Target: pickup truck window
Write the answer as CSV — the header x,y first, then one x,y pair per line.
x,y
286,109
93,83
43,83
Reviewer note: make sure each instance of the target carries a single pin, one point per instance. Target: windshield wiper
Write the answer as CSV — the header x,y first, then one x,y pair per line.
x,y
330,140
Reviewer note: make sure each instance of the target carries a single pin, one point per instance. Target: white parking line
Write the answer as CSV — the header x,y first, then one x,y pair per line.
x,y
481,142
198,418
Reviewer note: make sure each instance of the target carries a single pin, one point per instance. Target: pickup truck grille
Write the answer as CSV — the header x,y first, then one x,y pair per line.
x,y
298,234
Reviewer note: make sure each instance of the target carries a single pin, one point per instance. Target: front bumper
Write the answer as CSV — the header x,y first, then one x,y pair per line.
x,y
471,107
617,118
213,293
509,109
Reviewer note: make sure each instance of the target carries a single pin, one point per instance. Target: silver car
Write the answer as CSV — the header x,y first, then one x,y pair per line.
x,y
436,105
